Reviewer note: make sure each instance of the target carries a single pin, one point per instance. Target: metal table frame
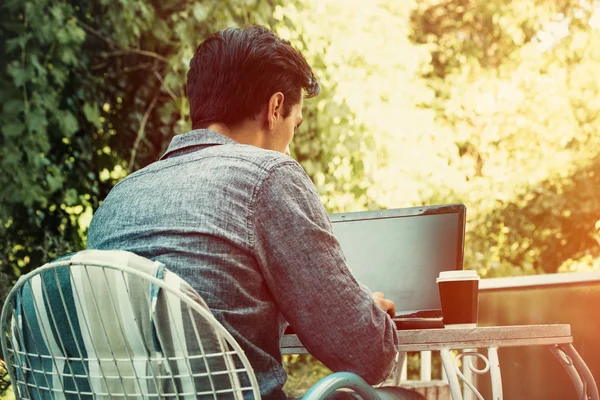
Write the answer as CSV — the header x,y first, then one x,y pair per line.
x,y
557,337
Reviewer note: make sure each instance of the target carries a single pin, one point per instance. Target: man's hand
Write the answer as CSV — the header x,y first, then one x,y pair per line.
x,y
386,305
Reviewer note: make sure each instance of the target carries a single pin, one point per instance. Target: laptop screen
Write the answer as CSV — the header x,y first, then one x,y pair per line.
x,y
400,252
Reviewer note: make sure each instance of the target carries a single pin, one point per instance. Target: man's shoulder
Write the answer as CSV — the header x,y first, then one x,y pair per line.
x,y
231,160
265,160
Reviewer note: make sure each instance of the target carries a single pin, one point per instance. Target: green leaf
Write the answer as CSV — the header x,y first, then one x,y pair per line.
x,y
68,124
40,70
13,107
60,75
36,120
92,114
13,130
71,198
18,42
18,73
57,12
161,31
200,12
55,181
78,35
67,55
63,36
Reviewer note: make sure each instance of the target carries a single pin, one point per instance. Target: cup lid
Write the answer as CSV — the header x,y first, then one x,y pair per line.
x,y
458,275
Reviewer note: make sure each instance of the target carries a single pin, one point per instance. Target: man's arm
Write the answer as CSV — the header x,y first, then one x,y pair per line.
x,y
337,319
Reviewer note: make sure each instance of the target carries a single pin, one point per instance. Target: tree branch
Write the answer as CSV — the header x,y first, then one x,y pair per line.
x,y
162,82
123,48
140,133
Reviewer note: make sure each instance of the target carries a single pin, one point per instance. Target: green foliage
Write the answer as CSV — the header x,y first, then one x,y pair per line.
x,y
458,100
328,144
90,91
550,226
489,103
371,89
4,380
519,100
303,372
42,145
93,91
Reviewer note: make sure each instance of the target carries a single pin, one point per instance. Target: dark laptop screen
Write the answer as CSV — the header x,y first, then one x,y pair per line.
x,y
401,252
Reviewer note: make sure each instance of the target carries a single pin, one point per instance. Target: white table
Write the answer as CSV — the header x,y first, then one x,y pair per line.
x,y
557,337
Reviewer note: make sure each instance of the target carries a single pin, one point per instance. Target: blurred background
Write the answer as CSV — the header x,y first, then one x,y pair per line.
x,y
491,103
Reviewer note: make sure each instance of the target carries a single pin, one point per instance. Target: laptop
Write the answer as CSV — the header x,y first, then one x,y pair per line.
x,y
400,252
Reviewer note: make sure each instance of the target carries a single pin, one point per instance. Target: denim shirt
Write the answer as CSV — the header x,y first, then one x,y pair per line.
x,y
246,229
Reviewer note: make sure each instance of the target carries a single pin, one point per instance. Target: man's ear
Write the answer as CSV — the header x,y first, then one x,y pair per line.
x,y
275,109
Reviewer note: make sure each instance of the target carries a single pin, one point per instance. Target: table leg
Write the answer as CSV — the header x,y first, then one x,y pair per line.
x,y
468,365
425,361
453,371
399,368
495,373
450,369
578,371
466,374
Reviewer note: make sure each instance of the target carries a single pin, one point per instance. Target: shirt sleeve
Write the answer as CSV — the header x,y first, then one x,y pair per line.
x,y
333,315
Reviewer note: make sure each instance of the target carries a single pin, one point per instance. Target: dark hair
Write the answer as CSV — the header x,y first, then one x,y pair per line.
x,y
235,71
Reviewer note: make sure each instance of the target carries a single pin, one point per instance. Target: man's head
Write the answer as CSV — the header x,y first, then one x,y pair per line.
x,y
242,74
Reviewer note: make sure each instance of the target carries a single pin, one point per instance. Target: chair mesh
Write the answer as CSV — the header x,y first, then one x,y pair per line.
x,y
92,332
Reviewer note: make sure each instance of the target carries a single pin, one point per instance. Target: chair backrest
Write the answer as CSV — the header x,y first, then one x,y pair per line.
x,y
114,324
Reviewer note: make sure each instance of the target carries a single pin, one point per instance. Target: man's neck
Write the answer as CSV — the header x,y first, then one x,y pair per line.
x,y
247,132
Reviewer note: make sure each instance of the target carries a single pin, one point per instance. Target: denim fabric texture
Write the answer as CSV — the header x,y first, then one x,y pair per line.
x,y
246,229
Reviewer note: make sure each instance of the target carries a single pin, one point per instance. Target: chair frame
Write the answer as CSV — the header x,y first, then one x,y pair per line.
x,y
220,330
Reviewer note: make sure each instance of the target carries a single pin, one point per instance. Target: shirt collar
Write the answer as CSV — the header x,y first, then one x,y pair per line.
x,y
197,137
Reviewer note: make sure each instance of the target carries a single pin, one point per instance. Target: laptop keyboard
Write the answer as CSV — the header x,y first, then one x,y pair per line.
x,y
422,314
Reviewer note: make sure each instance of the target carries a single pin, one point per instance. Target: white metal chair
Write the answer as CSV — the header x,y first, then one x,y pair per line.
x,y
116,325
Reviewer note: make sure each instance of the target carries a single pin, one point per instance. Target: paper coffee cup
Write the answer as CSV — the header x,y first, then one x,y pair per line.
x,y
459,296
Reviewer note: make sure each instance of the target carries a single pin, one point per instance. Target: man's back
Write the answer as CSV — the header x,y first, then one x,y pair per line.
x,y
190,211
222,216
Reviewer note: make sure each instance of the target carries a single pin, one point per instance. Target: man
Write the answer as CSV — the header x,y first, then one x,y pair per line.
x,y
237,218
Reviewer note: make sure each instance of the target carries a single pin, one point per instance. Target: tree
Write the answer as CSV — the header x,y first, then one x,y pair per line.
x,y
363,54
95,90
90,91
515,88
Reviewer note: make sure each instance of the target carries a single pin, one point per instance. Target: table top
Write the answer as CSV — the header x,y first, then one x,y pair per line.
x,y
465,338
